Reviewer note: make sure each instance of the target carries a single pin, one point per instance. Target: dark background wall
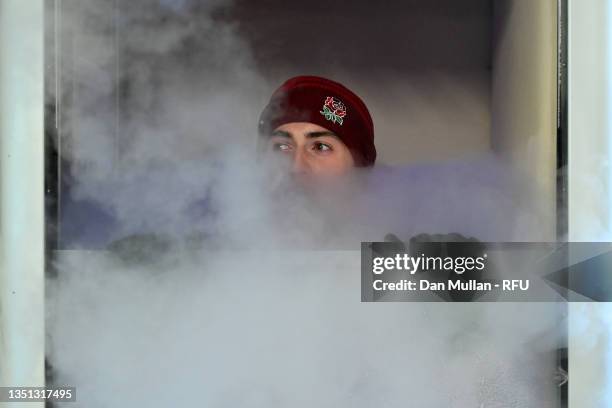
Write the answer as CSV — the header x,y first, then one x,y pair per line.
x,y
368,37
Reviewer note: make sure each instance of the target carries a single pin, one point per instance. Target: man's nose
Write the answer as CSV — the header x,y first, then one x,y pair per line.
x,y
300,164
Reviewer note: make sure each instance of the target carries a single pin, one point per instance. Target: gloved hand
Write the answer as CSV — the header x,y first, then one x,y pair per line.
x,y
474,249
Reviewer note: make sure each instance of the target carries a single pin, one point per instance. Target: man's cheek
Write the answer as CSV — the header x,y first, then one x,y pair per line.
x,y
331,169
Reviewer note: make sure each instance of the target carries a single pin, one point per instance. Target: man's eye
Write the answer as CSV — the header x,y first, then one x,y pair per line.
x,y
322,147
280,147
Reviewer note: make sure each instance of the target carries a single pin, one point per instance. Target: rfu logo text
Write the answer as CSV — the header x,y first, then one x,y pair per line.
x,y
513,284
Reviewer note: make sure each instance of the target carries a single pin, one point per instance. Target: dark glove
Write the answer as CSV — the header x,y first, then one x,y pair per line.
x,y
475,248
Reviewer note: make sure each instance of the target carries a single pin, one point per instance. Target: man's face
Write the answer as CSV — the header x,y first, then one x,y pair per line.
x,y
311,151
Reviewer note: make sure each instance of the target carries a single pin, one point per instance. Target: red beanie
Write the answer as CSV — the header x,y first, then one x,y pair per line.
x,y
325,103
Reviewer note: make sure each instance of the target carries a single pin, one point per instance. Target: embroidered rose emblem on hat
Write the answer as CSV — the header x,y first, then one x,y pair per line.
x,y
334,110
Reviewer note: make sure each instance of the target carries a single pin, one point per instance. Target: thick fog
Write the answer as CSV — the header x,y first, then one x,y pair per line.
x,y
227,285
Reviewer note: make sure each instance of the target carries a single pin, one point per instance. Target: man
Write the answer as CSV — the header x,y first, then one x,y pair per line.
x,y
325,130
322,128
